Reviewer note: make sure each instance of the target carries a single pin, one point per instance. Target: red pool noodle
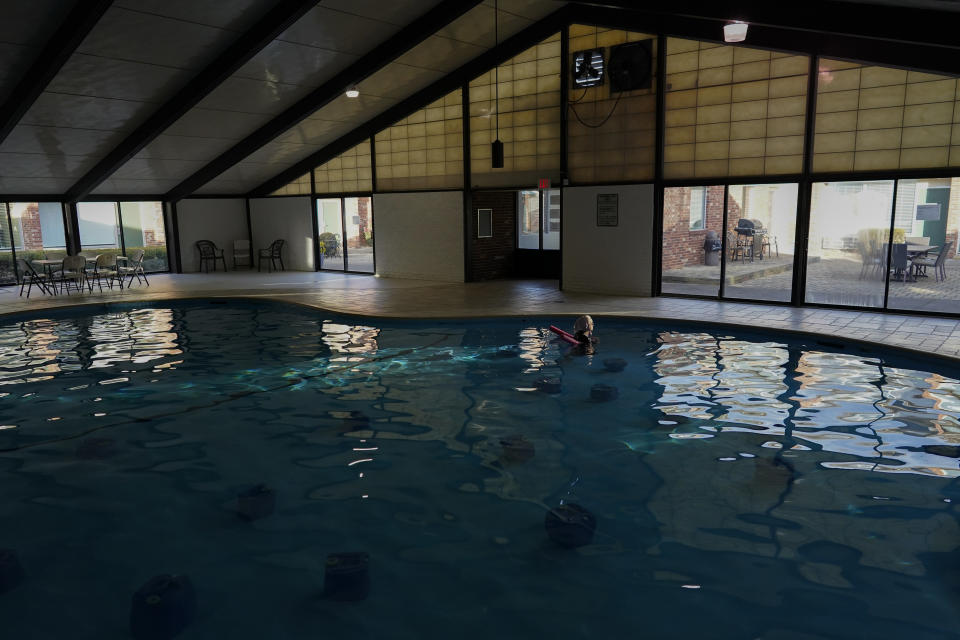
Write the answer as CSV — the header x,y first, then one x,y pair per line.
x,y
564,335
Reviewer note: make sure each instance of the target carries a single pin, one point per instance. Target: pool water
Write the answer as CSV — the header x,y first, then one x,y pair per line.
x,y
744,485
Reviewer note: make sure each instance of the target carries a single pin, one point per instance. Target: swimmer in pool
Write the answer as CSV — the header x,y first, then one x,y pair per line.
x,y
583,333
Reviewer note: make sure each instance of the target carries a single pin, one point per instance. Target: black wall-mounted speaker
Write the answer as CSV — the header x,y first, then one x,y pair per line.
x,y
631,66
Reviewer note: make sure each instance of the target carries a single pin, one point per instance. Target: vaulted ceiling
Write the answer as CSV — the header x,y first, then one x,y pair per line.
x,y
218,96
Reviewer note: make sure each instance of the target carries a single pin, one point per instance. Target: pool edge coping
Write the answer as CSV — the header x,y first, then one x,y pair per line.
x,y
916,353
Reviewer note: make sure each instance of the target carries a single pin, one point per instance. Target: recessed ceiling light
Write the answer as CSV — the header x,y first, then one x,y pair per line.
x,y
735,31
353,92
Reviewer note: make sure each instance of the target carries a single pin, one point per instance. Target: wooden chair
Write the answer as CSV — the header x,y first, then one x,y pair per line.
x,y
209,252
272,253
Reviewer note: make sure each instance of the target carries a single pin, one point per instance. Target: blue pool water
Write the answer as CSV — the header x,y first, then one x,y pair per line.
x,y
744,485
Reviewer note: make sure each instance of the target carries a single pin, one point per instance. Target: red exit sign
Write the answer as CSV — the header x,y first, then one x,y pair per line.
x,y
544,183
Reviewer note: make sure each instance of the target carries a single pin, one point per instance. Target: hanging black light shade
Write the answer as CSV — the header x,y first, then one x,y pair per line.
x,y
496,152
496,147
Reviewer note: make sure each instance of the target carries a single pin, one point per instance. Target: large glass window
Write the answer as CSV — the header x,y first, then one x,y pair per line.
x,y
848,243
927,214
7,273
142,227
330,228
551,219
358,218
692,250
99,228
761,226
32,231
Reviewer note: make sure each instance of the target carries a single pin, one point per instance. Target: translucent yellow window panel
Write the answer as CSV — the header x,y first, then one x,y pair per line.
x,y
350,172
611,137
299,187
877,118
733,111
424,150
529,118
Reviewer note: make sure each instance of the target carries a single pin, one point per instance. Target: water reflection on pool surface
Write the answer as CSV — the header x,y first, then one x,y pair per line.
x,y
744,486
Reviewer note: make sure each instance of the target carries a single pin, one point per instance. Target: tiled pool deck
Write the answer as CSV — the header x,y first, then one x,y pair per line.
x,y
387,297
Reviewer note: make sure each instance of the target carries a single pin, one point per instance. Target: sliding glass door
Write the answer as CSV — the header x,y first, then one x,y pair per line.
x,y
345,234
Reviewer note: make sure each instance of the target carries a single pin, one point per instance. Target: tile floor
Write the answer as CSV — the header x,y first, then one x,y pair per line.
x,y
391,297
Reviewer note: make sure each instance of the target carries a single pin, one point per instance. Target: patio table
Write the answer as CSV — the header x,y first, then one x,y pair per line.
x,y
48,269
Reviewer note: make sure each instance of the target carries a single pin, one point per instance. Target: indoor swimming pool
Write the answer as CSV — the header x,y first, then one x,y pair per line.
x,y
742,485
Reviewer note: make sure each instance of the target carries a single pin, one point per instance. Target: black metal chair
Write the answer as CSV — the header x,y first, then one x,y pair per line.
x,y
272,253
939,271
900,262
209,252
29,276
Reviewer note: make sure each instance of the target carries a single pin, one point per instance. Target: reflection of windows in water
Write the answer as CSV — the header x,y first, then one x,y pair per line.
x,y
698,208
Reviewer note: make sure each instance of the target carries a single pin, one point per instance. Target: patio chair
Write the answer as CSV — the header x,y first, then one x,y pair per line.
x,y
209,252
939,271
241,254
105,268
74,270
900,262
272,253
872,258
134,268
29,276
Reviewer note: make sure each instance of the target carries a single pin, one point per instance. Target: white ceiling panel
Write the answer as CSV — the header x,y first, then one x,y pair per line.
x,y
203,123
338,31
54,140
289,63
233,15
253,96
34,186
344,109
151,168
397,13
132,187
222,186
529,9
441,54
38,165
311,130
153,39
277,152
80,112
168,147
398,81
94,76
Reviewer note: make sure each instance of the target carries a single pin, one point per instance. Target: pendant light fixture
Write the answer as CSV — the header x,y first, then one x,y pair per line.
x,y
496,147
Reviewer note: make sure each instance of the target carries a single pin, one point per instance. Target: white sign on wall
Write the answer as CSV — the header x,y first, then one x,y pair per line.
x,y
608,209
928,211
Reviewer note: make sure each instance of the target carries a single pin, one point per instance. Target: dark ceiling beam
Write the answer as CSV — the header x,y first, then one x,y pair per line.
x,y
409,37
933,59
476,67
825,17
275,21
75,27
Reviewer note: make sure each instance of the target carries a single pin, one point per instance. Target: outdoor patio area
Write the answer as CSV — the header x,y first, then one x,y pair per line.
x,y
833,279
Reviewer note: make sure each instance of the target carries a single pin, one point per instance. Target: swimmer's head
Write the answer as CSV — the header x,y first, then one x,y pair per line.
x,y
583,323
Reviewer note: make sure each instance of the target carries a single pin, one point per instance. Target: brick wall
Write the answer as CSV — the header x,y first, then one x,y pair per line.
x,y
30,223
493,257
681,246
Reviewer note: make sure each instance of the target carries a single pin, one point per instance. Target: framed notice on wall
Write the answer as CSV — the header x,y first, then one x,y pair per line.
x,y
928,211
608,209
